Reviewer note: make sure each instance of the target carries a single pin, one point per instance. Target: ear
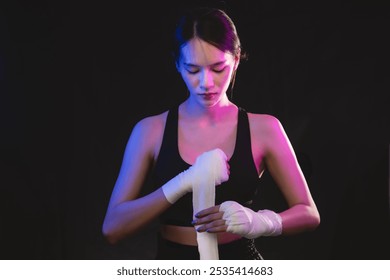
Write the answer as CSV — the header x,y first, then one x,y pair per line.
x,y
236,62
177,64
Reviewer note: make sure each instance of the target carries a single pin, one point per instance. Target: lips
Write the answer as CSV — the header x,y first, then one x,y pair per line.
x,y
208,95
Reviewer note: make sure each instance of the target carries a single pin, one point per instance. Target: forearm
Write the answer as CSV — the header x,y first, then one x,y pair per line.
x,y
299,218
244,221
128,217
125,218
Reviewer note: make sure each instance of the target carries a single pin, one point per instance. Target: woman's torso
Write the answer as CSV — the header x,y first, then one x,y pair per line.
x,y
178,150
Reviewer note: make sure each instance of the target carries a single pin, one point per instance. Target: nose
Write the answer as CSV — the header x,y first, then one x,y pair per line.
x,y
206,80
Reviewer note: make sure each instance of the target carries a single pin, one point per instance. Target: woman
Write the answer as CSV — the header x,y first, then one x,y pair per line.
x,y
208,136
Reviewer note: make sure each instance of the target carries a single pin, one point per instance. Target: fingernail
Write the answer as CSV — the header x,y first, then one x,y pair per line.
x,y
193,222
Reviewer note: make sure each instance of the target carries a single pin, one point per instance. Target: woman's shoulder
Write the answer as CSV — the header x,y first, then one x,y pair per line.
x,y
263,121
148,131
152,121
266,129
150,126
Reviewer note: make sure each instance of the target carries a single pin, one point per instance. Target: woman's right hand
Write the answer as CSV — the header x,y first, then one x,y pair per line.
x,y
212,164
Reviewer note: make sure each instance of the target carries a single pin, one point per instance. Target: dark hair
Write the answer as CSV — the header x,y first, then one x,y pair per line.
x,y
213,26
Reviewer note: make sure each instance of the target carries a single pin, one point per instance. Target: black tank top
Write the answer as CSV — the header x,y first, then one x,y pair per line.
x,y
243,180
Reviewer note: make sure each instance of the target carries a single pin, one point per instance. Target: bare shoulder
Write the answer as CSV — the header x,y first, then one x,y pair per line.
x,y
267,132
264,124
151,124
149,130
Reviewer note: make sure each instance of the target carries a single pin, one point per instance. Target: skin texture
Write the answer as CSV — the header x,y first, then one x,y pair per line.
x,y
208,114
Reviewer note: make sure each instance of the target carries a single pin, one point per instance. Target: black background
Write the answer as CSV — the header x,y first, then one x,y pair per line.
x,y
75,76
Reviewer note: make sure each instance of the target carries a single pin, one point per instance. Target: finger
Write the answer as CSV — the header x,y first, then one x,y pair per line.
x,y
211,226
207,211
217,229
208,219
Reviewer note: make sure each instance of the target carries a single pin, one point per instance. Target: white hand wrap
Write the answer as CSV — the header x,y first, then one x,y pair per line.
x,y
214,166
210,166
178,186
249,224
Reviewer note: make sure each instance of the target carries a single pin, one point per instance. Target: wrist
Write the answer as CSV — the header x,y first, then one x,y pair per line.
x,y
273,222
177,187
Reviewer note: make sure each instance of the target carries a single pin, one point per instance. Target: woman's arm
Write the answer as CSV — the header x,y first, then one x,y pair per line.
x,y
281,161
302,215
126,212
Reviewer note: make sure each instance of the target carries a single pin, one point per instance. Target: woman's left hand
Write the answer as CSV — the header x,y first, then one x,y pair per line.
x,y
210,220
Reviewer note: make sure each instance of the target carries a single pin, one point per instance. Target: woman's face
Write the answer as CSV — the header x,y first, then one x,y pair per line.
x,y
206,71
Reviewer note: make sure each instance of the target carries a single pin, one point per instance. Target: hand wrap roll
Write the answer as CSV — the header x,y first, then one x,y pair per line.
x,y
209,170
203,196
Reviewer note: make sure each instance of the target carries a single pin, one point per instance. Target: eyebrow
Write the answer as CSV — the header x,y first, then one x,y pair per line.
x,y
212,65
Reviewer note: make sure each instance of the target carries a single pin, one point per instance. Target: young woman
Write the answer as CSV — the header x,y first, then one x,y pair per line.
x,y
208,136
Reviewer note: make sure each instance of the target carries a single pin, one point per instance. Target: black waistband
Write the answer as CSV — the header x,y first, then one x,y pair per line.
x,y
241,249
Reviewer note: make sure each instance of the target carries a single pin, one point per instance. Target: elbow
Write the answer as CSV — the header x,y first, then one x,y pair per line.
x,y
110,234
315,220
302,218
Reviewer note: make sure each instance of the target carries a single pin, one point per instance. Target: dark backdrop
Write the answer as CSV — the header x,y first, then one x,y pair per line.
x,y
76,76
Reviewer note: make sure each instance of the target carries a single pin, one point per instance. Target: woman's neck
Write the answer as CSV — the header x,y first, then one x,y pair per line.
x,y
215,114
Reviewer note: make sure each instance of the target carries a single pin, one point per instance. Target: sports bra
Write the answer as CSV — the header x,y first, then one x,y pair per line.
x,y
243,179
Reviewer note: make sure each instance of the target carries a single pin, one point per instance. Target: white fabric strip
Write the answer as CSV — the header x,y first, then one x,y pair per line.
x,y
203,196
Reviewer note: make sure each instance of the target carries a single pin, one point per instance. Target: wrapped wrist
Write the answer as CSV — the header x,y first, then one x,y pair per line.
x,y
176,187
247,223
273,220
210,165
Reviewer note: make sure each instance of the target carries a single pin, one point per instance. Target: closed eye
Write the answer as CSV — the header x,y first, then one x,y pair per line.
x,y
192,71
218,67
217,70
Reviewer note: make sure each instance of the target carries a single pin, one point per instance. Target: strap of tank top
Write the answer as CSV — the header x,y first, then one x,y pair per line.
x,y
169,141
243,133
